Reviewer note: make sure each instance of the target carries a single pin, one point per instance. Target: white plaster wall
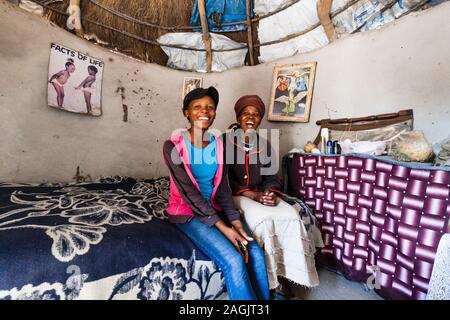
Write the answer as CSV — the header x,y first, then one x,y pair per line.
x,y
404,65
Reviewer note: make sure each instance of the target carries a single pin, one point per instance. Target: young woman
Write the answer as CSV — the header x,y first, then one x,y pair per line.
x,y
201,203
276,225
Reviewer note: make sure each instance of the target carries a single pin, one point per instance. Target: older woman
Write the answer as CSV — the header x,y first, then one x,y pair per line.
x,y
275,224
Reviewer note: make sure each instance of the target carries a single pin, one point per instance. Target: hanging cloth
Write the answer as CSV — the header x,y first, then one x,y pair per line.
x,y
219,12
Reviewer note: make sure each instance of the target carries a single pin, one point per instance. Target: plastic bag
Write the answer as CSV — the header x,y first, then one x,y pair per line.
x,y
412,146
442,149
374,148
186,59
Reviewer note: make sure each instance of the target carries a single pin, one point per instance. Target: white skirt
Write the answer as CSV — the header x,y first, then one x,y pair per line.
x,y
288,248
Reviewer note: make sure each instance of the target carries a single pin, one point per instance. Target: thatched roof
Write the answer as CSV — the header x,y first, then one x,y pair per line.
x,y
133,27
164,13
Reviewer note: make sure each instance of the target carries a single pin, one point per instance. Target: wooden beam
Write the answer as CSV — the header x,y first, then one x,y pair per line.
x,y
323,11
249,32
74,19
206,35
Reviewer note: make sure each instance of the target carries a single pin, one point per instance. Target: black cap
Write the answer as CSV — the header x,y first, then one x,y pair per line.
x,y
200,93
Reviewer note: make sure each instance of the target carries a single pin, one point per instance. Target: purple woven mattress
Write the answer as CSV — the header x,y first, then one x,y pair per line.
x,y
381,221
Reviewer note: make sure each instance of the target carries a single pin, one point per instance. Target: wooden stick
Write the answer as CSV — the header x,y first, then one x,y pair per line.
x,y
323,12
249,32
206,35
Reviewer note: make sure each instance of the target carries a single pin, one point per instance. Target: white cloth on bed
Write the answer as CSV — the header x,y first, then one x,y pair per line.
x,y
288,247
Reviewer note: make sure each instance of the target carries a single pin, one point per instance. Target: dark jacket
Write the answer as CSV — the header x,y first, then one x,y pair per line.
x,y
186,200
245,168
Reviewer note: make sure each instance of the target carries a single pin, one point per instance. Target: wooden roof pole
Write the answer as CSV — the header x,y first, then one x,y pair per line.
x,y
323,11
74,19
206,35
249,32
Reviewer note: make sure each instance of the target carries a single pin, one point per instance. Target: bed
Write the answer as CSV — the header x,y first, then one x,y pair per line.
x,y
103,240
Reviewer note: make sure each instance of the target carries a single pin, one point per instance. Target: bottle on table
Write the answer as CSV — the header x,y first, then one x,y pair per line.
x,y
329,147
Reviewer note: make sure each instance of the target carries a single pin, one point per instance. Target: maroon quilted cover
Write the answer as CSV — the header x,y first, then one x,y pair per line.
x,y
376,213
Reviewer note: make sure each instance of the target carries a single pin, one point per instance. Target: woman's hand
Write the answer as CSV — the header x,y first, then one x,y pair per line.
x,y
266,198
237,225
234,236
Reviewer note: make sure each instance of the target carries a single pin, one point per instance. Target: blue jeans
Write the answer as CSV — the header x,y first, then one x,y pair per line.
x,y
243,281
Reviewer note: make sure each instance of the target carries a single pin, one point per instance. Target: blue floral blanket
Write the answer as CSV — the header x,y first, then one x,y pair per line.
x,y
102,240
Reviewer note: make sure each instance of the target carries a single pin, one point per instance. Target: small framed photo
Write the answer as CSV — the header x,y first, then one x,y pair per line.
x,y
291,95
191,83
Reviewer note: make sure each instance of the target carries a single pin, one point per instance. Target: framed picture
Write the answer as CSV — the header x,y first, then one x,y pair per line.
x,y
291,95
74,81
191,83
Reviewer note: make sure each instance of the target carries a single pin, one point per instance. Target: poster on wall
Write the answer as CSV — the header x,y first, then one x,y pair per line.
x,y
292,89
74,81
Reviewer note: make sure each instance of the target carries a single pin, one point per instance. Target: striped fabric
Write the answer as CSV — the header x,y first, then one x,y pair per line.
x,y
376,216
